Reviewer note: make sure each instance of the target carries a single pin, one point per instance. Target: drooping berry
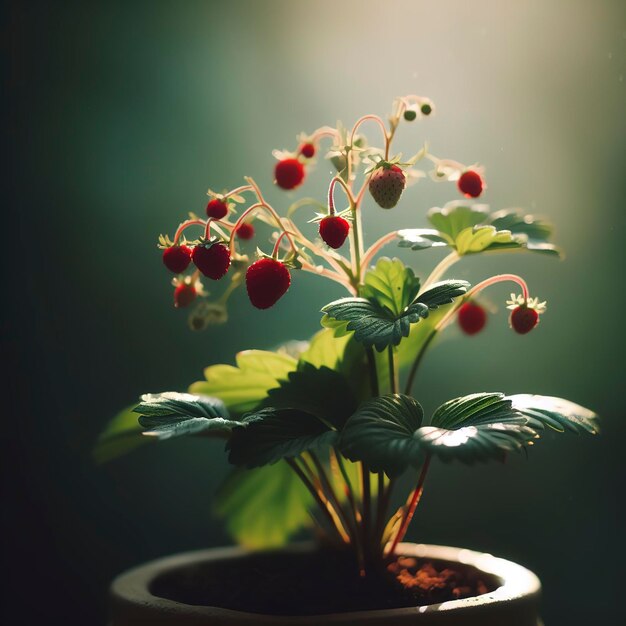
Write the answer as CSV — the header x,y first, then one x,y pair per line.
x,y
245,231
307,150
212,259
184,295
471,184
523,319
177,258
426,109
410,115
471,317
386,185
289,173
334,230
267,280
217,209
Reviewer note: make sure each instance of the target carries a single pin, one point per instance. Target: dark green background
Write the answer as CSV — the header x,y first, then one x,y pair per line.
x,y
119,116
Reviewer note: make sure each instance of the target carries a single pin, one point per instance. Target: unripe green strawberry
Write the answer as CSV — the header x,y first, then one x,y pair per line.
x,y
386,185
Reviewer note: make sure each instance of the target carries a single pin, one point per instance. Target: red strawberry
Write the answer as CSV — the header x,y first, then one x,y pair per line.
x,y
267,280
307,150
289,173
177,258
471,184
245,231
334,230
472,318
523,319
217,209
386,185
212,259
184,295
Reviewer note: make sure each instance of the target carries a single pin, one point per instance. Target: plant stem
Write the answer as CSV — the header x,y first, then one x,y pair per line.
x,y
444,265
371,366
393,387
418,359
412,505
331,496
375,248
316,496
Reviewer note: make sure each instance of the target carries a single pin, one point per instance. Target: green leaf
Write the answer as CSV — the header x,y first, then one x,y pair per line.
x,y
342,354
443,292
322,392
122,434
381,434
536,230
472,229
173,414
555,413
271,434
479,238
391,284
422,238
374,325
243,387
478,427
264,507
456,217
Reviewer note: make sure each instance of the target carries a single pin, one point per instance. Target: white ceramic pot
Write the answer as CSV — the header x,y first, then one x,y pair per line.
x,y
514,603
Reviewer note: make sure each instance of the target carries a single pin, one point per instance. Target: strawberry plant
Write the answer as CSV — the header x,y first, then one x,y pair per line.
x,y
320,432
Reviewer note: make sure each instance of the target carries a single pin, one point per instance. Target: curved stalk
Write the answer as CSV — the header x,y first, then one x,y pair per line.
x,y
412,505
373,250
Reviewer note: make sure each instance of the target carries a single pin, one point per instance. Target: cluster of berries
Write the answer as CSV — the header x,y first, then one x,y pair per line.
x,y
524,316
268,278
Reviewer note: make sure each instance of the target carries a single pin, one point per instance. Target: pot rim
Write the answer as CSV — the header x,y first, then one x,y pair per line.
x,y
518,586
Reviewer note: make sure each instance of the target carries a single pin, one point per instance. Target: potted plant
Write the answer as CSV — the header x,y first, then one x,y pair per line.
x,y
321,431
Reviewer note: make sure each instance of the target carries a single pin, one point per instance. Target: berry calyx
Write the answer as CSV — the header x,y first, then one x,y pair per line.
x,y
523,319
471,318
289,173
177,258
334,230
245,231
184,295
217,209
307,150
471,184
212,259
267,280
386,185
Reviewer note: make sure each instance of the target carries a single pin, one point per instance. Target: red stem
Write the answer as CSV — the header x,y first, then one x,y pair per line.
x,y
417,494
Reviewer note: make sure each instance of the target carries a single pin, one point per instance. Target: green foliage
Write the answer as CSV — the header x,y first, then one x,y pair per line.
x,y
264,506
173,414
555,413
391,284
272,434
473,229
478,427
375,325
381,434
122,434
322,392
243,387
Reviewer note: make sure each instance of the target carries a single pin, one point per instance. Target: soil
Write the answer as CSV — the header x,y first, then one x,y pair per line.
x,y
317,583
